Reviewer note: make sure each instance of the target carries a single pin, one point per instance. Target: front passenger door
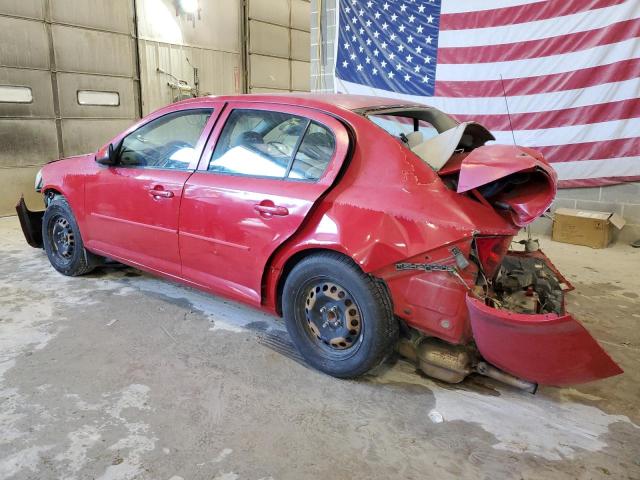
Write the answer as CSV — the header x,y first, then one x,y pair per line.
x,y
133,207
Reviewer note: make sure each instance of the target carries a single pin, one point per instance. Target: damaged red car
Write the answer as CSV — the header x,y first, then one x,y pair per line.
x,y
370,224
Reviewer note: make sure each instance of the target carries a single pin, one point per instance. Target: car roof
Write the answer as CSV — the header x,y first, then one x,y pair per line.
x,y
322,101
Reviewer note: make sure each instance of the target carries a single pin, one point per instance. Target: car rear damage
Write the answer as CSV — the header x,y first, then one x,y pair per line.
x,y
477,305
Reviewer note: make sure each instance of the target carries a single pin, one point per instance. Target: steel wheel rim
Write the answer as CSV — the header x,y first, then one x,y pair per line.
x,y
62,238
332,318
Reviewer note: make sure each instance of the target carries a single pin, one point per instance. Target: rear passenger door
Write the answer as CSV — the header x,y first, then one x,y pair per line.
x,y
261,172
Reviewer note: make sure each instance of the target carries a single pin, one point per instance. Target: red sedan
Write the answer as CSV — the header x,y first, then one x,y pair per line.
x,y
366,222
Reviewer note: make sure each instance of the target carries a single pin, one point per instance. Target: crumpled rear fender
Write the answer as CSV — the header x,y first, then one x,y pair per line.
x,y
546,349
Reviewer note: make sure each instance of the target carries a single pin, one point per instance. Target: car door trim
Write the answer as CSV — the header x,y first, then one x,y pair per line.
x,y
215,240
131,222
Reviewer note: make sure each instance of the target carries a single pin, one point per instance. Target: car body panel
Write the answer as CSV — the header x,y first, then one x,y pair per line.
x,y
547,349
378,203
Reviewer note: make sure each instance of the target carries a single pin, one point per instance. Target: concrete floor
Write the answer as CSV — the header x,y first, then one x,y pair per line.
x,y
117,375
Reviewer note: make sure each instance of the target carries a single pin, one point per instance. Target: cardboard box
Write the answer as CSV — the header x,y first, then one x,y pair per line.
x,y
584,227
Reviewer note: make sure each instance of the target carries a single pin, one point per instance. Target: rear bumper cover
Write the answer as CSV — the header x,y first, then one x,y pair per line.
x,y
31,223
546,349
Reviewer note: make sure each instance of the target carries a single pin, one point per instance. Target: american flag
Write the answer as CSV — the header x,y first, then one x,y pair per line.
x,y
567,71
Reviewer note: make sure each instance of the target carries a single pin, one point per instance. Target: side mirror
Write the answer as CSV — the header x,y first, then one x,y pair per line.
x,y
106,155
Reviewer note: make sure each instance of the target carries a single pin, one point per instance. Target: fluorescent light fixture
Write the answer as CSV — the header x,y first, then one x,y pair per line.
x,y
14,94
189,6
94,97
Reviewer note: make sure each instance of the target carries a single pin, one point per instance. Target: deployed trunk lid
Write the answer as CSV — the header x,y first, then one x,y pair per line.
x,y
516,181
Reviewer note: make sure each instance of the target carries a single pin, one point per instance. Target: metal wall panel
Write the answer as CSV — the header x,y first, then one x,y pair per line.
x,y
271,11
18,181
269,72
300,76
300,15
268,39
114,15
279,44
23,8
23,43
87,135
39,81
26,142
70,83
90,51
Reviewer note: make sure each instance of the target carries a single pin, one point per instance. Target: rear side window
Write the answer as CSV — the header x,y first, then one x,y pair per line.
x,y
261,143
314,154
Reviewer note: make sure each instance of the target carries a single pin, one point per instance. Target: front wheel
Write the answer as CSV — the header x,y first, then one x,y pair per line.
x,y
340,319
62,240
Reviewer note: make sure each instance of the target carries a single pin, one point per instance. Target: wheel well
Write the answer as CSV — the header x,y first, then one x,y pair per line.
x,y
49,194
291,262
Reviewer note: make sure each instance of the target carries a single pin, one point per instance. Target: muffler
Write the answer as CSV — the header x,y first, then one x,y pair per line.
x,y
452,363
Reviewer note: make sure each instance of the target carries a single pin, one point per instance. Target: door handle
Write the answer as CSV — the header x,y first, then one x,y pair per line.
x,y
271,210
160,193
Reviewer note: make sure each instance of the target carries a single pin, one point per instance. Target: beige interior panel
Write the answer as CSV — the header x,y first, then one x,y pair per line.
x,y
86,136
15,182
70,83
300,76
268,39
39,81
272,11
114,15
269,72
27,142
23,43
89,51
300,15
300,45
23,8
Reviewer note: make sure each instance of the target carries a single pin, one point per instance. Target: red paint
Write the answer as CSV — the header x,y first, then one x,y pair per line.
x,y
545,349
377,203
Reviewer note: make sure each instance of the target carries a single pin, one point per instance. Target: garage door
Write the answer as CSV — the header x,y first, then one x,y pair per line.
x,y
278,45
67,84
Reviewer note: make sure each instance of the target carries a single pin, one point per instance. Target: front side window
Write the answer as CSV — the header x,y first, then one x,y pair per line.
x,y
168,142
272,144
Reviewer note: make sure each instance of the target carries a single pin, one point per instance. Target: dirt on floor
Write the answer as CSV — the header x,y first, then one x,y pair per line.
x,y
117,375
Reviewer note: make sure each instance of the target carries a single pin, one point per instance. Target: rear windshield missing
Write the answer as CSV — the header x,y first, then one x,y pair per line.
x,y
412,126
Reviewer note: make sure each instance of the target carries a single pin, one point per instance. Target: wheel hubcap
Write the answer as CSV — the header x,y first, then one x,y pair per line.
x,y
62,238
332,315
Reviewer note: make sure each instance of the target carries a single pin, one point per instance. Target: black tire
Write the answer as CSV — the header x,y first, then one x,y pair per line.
x,y
62,240
363,348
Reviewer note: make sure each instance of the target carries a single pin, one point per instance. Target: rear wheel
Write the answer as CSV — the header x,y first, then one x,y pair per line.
x,y
62,240
339,318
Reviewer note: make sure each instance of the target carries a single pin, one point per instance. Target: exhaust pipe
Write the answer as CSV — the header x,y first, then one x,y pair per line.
x,y
487,370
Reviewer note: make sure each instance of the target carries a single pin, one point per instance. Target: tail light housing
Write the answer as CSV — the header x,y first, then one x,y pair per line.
x,y
490,251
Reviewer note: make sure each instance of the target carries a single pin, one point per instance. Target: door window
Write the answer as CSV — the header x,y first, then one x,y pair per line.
x,y
272,144
168,142
314,154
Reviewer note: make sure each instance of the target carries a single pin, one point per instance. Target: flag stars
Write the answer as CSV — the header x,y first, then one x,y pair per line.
x,y
394,17
361,31
368,41
418,49
425,79
374,71
346,46
402,28
427,59
429,39
348,27
407,77
391,74
369,4
385,25
401,48
367,60
376,52
416,69
412,19
430,19
345,64
393,36
368,23
383,64
399,67
385,6
421,8
359,67
361,49
409,58
420,29
352,56
392,56
403,7
410,39
376,34
377,15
